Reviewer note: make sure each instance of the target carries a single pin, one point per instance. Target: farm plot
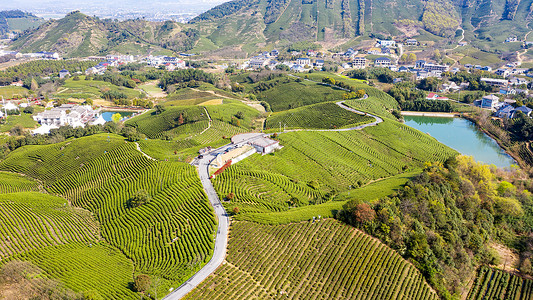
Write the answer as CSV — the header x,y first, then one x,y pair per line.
x,y
319,116
153,125
495,284
322,260
296,94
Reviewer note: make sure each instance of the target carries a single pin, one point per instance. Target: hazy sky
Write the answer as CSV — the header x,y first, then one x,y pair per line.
x,y
170,6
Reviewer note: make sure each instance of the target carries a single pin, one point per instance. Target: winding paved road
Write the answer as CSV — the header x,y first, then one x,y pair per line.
x,y
221,239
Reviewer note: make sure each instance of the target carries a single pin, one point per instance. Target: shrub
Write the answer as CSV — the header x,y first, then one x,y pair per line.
x,y
140,198
142,283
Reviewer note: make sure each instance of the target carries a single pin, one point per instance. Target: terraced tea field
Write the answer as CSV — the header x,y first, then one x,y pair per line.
x,y
321,260
297,94
495,284
98,268
319,116
153,125
31,220
11,183
171,236
313,164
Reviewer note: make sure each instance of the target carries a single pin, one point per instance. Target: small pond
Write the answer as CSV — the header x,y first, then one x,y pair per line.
x,y
108,114
463,136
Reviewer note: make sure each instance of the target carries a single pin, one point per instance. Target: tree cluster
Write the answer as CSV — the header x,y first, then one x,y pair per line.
x,y
445,218
186,75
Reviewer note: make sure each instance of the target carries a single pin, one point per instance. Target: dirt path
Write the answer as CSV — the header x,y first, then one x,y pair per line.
x,y
518,53
456,46
146,155
210,121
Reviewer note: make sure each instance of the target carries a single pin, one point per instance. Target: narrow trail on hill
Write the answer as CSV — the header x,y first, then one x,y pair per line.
x,y
140,150
221,238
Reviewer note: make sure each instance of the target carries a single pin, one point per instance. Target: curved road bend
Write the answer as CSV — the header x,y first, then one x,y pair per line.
x,y
221,240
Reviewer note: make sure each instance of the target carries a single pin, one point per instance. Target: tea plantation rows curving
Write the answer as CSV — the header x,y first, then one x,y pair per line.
x,y
171,236
321,260
496,284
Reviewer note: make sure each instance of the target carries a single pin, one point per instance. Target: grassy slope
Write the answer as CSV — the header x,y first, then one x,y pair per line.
x,y
324,260
24,120
9,92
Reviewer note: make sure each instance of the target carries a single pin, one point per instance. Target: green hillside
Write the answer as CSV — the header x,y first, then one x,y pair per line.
x,y
78,35
283,22
319,116
322,260
172,236
242,27
16,20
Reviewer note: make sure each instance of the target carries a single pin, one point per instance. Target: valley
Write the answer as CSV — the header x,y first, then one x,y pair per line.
x,y
269,150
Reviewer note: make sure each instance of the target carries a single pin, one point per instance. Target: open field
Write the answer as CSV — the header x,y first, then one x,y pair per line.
x,y
84,89
10,92
152,90
321,260
24,120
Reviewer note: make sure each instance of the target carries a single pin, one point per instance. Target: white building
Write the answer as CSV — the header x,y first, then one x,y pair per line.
x,y
63,73
257,62
261,142
387,43
382,62
359,62
490,102
303,61
67,114
495,82
502,72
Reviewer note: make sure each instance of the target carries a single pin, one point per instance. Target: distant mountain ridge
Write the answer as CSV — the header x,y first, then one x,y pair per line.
x,y
79,35
323,20
244,26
